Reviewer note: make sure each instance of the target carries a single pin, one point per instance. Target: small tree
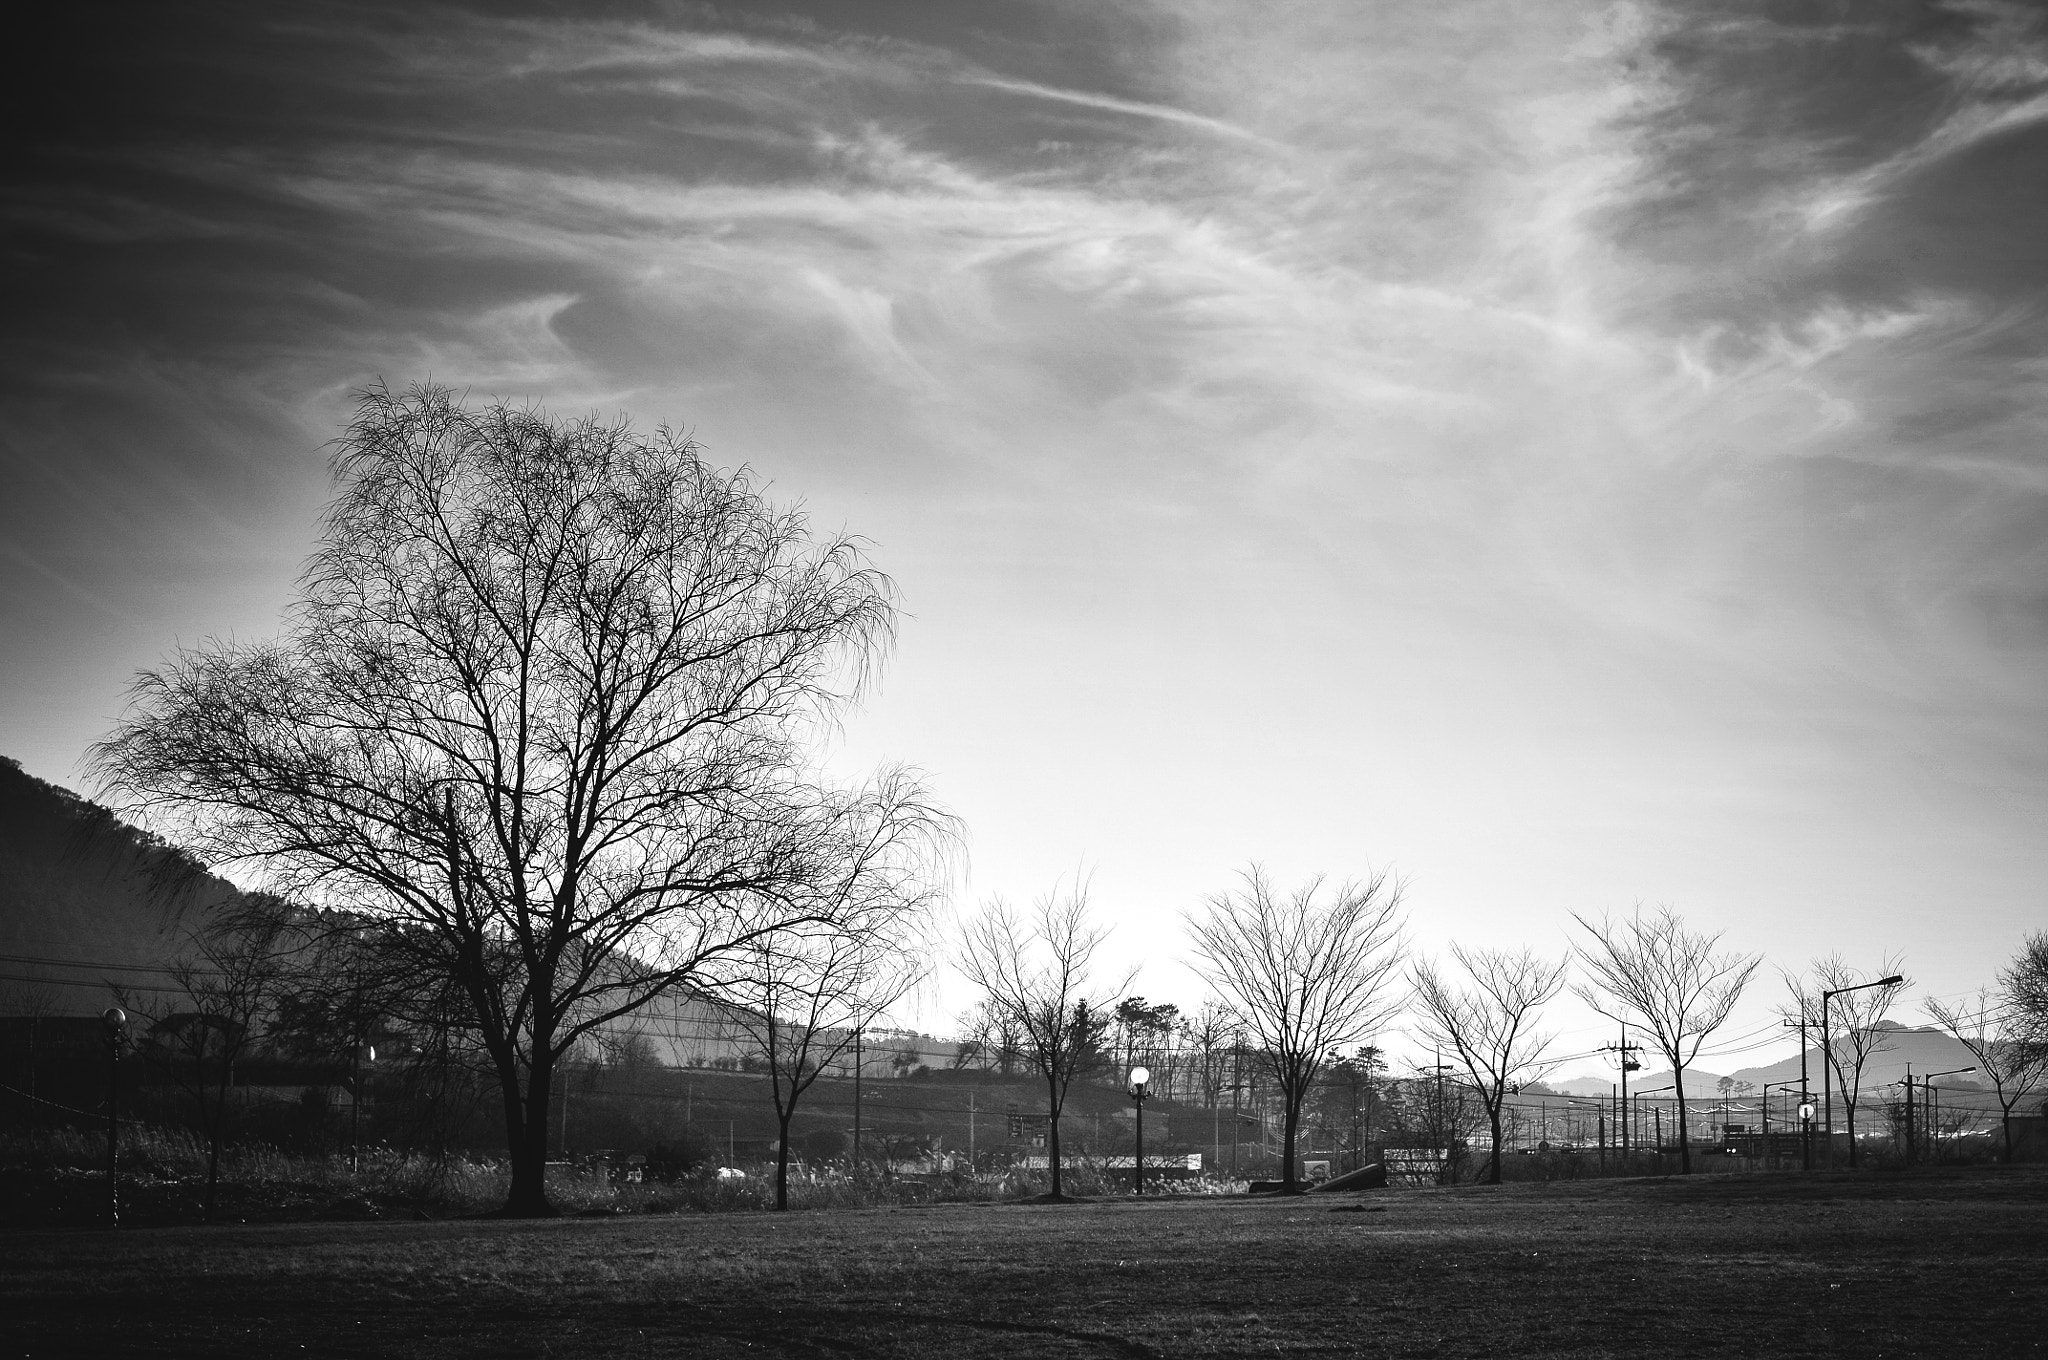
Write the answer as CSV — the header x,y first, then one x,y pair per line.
x,y
1035,976
1207,1036
1854,1031
1485,1021
1350,1097
1650,970
229,977
992,1036
802,994
1144,1033
1305,974
2008,1054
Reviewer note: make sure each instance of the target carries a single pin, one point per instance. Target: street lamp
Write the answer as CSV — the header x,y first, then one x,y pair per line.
x,y
1656,1111
1827,1043
1140,1078
116,1020
1933,1124
1766,1107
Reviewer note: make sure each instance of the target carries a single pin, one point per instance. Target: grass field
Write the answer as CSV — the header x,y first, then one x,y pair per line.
x,y
1947,1264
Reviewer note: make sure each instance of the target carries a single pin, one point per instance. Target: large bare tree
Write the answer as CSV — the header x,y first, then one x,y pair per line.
x,y
1485,1019
1036,974
1306,973
1854,1031
2009,1051
1648,969
545,704
2024,984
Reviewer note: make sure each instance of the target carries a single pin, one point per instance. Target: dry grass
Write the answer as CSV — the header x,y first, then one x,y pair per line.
x,y
1949,1264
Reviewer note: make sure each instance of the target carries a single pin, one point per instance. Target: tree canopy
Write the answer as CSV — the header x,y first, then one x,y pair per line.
x,y
545,708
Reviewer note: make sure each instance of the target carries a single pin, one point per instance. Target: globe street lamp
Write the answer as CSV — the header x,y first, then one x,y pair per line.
x,y
1140,1078
1827,1043
115,1019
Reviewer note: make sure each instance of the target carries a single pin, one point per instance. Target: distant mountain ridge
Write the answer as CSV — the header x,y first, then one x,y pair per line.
x,y
87,901
1925,1049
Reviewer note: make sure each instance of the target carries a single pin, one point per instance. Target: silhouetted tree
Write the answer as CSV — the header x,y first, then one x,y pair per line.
x,y
1484,1020
228,979
2008,1053
544,707
1854,1032
2024,983
1035,973
1650,970
803,992
1305,974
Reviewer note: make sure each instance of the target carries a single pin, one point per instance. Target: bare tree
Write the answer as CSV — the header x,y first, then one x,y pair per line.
x,y
1035,974
2024,983
2009,1054
544,706
989,1036
229,978
1854,1031
1485,1020
1306,974
802,993
1650,970
1207,1035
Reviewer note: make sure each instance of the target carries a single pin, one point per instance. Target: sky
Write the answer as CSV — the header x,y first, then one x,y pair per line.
x,y
1569,456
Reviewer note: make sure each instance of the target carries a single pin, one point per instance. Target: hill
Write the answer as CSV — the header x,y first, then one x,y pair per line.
x,y
87,901
1923,1048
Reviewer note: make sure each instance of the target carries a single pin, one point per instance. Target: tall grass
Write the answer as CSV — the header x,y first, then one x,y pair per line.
x,y
261,1180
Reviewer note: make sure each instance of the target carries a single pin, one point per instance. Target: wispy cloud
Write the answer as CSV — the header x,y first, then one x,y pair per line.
x,y
1652,390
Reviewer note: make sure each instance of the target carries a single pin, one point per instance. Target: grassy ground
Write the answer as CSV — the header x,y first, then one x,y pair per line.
x,y
1948,1264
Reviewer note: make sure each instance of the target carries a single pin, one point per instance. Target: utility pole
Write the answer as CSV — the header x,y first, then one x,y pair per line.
x,y
1236,1097
1805,1124
970,1128
856,1100
1628,1065
1827,1087
1910,1157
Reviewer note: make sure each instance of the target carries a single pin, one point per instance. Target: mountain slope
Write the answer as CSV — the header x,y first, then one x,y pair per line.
x,y
87,901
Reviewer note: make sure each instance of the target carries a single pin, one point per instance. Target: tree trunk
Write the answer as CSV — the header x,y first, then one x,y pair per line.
x,y
782,1159
1290,1183
1493,1170
2005,1118
1052,1139
1684,1132
1850,1106
528,1139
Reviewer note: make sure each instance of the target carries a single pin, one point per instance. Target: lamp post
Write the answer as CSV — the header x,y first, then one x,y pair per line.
x,y
1766,1106
1658,1111
1827,1063
1140,1077
116,1020
1933,1124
